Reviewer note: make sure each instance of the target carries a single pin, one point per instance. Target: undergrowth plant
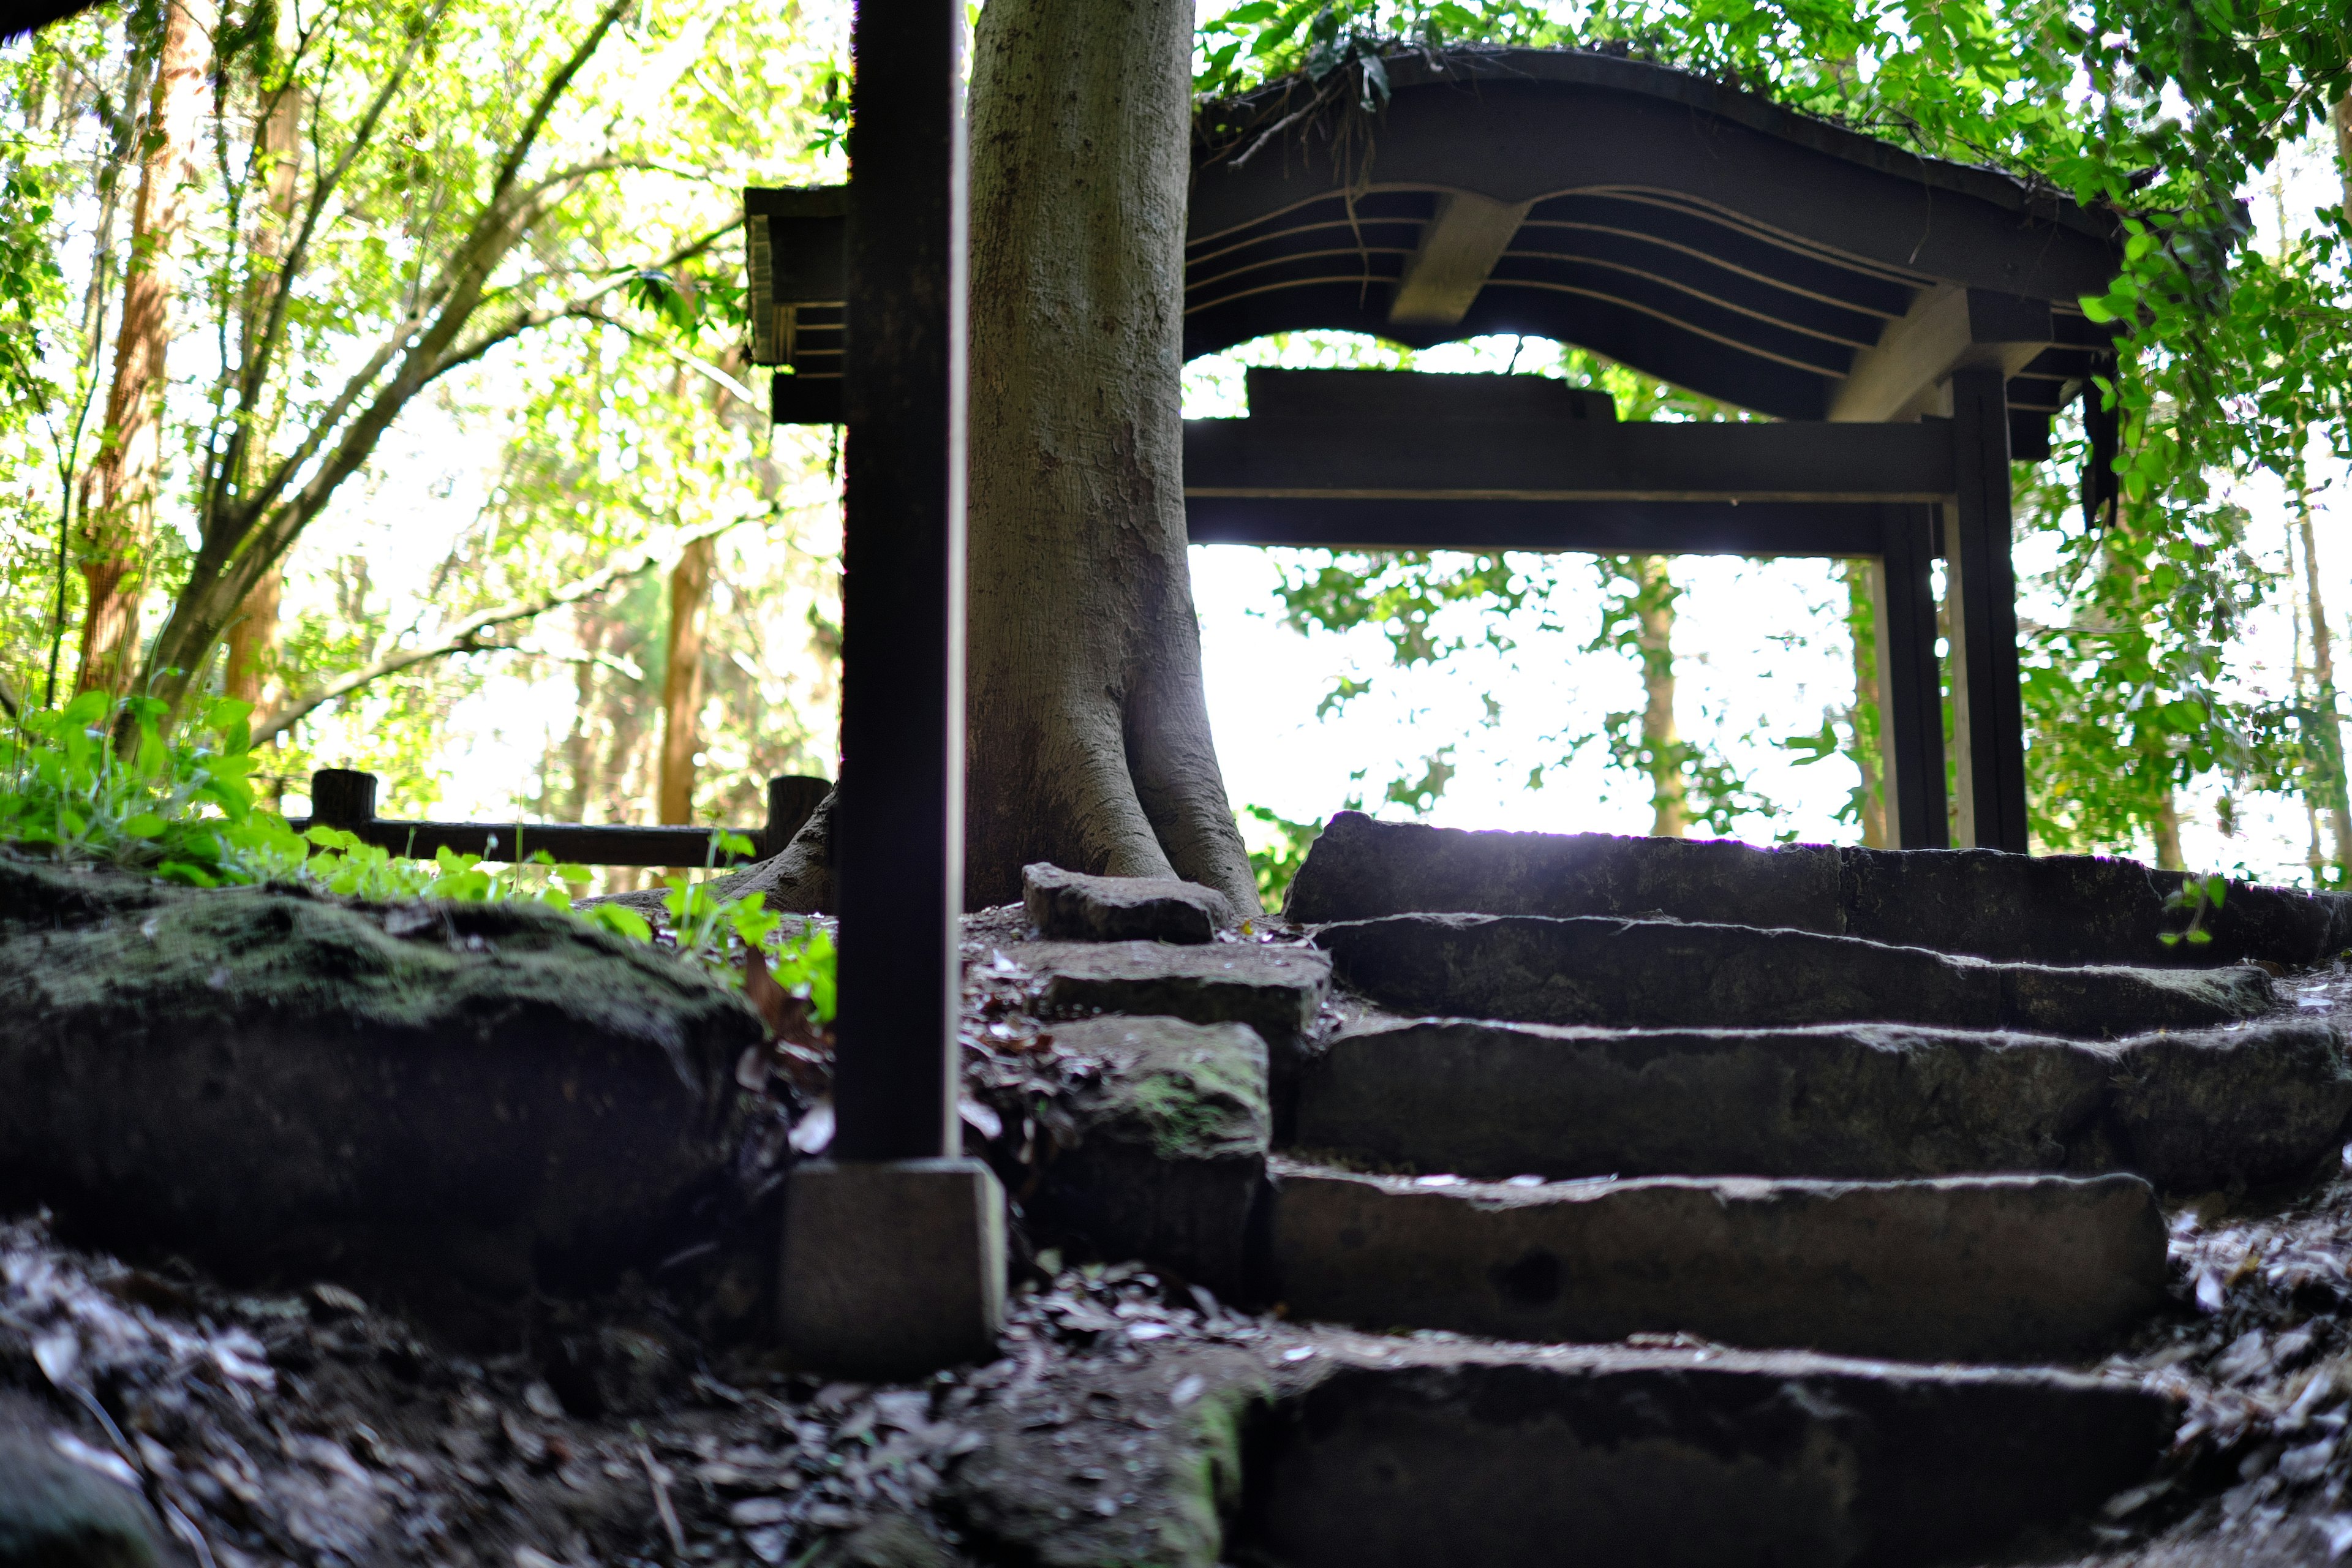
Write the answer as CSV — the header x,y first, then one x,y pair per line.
x,y
100,783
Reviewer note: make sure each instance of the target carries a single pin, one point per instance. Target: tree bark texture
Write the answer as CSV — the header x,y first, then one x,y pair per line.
x,y
119,508
689,593
253,643
1869,759
1661,738
2334,790
2167,828
1088,739
253,637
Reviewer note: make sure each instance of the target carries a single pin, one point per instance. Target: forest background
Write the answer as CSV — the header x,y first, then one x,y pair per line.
x,y
383,366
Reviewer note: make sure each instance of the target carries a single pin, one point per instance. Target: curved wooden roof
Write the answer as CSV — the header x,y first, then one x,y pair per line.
x,y
1694,232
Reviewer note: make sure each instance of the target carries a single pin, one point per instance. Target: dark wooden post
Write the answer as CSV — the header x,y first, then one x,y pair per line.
x,y
893,1256
1988,714
1910,688
793,799
342,797
900,857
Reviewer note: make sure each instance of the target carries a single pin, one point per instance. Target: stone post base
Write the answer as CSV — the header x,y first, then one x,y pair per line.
x,y
893,1269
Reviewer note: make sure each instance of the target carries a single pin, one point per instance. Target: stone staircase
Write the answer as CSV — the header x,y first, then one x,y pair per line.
x,y
1736,1206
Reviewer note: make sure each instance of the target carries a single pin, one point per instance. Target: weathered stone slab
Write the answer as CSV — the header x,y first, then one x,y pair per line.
x,y
2058,909
1172,1146
1361,869
2197,1111
1067,906
2075,909
1275,990
1970,1269
2257,1104
1680,1459
1664,973
272,1083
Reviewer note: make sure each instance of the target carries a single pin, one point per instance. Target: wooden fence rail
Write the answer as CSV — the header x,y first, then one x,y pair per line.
x,y
345,798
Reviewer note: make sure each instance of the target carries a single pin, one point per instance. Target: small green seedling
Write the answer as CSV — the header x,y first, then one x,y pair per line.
x,y
2198,895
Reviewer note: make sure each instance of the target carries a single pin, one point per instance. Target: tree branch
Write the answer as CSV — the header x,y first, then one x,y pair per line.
x,y
464,634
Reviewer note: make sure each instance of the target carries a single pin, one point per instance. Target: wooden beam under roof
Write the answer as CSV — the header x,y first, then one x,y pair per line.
x,y
1458,249
1908,372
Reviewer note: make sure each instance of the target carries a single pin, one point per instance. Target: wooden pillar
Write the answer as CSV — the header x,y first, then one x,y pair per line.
x,y
1910,688
900,829
1988,715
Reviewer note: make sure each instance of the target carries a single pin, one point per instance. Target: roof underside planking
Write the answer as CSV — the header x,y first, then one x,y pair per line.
x,y
1690,231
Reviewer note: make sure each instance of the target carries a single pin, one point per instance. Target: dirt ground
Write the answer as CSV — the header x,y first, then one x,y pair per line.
x,y
309,1428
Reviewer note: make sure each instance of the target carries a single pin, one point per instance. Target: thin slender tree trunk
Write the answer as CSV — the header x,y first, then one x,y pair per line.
x,y
253,637
1868,759
119,515
2167,833
2335,794
1088,739
253,643
2343,145
1654,605
689,595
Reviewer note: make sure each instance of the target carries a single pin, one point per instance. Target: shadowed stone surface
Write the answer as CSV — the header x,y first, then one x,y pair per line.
x,y
55,1512
1274,990
1173,1145
1066,906
1662,1459
2059,909
1873,1101
1662,973
272,1083
1970,1269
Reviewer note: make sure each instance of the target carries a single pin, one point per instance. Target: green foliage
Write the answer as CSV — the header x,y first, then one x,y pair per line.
x,y
183,812
550,365
99,783
2198,895
1280,849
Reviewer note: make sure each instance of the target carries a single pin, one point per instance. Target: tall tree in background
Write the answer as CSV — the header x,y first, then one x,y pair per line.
x,y
1088,732
1651,602
120,490
689,595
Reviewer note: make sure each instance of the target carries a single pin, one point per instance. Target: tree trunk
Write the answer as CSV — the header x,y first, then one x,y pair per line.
x,y
2167,833
1661,739
2333,787
1088,739
253,638
253,643
689,593
1868,759
118,517
2344,146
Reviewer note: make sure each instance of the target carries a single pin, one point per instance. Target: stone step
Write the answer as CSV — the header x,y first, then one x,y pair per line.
x,y
1274,988
2261,1103
1665,973
1960,1268
1684,1459
2058,909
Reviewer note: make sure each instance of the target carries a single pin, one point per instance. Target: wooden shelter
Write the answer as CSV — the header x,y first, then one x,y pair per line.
x,y
1904,327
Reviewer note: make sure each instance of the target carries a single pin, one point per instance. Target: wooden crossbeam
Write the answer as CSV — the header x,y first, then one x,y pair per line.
x,y
1563,460
1604,527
